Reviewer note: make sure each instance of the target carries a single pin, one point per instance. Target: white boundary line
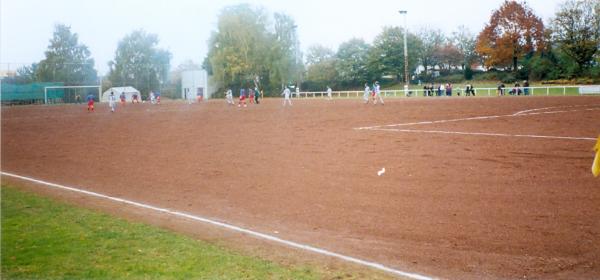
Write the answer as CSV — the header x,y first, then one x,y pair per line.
x,y
485,134
230,227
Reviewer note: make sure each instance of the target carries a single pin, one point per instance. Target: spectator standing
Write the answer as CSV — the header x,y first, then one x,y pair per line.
x,y
501,87
526,87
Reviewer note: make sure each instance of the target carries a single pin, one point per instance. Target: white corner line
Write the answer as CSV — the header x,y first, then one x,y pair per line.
x,y
259,235
517,114
486,134
553,107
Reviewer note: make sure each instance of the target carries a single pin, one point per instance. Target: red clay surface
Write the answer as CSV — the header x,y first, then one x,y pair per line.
x,y
448,206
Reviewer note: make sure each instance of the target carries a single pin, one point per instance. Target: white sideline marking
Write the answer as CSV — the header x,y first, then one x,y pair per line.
x,y
485,134
230,227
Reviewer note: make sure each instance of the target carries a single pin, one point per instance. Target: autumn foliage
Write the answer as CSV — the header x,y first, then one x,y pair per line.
x,y
513,31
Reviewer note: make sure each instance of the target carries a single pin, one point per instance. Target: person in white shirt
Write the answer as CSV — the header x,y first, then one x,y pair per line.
x,y
229,97
152,97
112,101
328,93
286,96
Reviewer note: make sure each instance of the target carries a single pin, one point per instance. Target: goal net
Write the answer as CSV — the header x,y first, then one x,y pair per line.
x,y
70,94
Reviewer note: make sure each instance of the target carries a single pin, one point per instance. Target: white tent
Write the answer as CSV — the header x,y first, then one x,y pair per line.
x,y
128,91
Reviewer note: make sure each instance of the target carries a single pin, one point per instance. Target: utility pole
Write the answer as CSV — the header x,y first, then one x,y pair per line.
x,y
404,12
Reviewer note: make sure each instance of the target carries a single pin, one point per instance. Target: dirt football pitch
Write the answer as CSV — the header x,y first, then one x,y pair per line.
x,y
473,188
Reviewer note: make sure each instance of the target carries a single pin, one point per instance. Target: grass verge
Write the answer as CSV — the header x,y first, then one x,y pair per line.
x,y
42,238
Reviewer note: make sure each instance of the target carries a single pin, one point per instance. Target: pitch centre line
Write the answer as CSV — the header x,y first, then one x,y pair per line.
x,y
256,234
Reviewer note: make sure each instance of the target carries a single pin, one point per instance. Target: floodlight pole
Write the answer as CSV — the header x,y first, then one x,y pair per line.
x,y
403,12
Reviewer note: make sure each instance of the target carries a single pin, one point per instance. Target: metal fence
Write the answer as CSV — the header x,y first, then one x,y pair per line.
x,y
511,91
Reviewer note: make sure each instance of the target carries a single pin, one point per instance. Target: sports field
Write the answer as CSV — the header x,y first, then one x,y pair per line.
x,y
484,187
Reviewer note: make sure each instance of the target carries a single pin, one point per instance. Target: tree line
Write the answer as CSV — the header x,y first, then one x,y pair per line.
x,y
138,62
514,45
251,48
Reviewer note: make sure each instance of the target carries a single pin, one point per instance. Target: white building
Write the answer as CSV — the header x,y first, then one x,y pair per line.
x,y
194,83
128,91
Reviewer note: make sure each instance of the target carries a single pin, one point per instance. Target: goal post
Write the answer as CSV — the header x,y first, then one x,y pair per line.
x,y
68,94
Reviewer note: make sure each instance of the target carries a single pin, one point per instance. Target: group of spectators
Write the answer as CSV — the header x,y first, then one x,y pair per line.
x,y
446,90
516,90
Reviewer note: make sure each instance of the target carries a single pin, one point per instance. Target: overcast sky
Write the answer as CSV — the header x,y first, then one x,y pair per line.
x,y
184,26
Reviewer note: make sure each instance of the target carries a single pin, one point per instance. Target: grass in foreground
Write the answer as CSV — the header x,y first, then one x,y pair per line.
x,y
45,239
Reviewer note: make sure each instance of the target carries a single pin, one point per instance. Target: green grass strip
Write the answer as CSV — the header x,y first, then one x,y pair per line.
x,y
45,239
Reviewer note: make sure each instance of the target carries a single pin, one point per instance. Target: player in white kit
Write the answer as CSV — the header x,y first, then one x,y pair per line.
x,y
229,97
367,93
377,94
286,96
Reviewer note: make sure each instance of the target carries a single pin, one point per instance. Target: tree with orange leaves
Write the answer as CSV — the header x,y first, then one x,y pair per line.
x,y
513,31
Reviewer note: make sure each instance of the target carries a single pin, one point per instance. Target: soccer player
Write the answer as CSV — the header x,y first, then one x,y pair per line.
x,y
122,97
251,94
152,97
229,97
328,93
90,101
134,99
256,95
112,101
242,97
286,96
367,93
377,96
199,97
